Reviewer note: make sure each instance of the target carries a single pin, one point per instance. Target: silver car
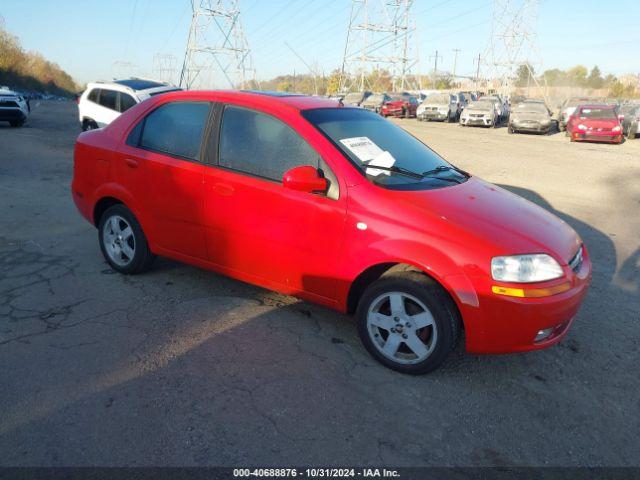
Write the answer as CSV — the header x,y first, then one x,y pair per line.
x,y
530,116
480,113
375,101
440,106
631,121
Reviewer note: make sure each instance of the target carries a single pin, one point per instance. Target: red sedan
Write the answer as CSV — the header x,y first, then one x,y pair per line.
x,y
336,206
595,123
404,106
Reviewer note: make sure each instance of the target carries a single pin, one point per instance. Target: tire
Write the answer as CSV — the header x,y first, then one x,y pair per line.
x,y
406,113
448,119
510,129
88,124
631,135
416,296
16,123
122,241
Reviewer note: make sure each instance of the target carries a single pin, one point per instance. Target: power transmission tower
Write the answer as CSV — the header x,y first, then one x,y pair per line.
x,y
165,67
379,38
122,69
513,43
217,52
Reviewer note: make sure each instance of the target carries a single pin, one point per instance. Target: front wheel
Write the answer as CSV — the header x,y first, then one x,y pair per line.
x,y
407,322
122,241
16,123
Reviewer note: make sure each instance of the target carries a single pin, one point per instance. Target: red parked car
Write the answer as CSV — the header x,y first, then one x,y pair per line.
x,y
400,105
596,123
336,206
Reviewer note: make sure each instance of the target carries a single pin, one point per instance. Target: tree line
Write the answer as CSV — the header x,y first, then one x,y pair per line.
x,y
30,71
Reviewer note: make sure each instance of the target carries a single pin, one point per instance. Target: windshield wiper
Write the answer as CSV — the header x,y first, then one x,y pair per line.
x,y
444,168
398,170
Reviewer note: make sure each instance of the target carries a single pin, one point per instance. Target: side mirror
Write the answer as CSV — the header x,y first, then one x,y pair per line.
x,y
304,179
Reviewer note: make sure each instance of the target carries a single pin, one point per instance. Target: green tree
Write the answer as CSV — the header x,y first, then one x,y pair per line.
x,y
577,75
524,75
595,78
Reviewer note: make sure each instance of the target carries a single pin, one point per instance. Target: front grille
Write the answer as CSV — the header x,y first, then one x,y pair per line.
x,y
8,104
576,262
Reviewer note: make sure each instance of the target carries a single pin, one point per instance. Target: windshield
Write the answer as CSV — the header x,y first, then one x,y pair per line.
x,y
483,105
375,98
598,113
367,139
353,97
440,99
531,108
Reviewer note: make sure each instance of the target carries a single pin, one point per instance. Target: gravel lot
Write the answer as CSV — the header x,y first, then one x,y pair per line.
x,y
184,367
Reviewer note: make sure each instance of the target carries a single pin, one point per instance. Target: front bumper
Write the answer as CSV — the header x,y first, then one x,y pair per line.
x,y
9,114
479,121
432,115
594,136
530,126
502,324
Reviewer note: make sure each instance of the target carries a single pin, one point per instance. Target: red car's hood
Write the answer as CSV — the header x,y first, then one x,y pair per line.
x,y
494,215
397,103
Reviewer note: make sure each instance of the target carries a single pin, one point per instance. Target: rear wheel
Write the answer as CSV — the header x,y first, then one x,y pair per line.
x,y
16,123
122,241
407,322
88,124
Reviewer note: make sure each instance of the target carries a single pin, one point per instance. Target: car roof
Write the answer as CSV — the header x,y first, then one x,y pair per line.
x,y
283,99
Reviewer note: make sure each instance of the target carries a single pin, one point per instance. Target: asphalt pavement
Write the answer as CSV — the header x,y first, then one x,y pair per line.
x,y
182,366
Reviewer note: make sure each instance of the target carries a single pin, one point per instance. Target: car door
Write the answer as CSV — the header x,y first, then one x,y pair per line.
x,y
162,167
259,230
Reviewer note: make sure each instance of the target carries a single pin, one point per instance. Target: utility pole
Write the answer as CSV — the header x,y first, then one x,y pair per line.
x,y
379,37
217,44
478,70
455,62
435,66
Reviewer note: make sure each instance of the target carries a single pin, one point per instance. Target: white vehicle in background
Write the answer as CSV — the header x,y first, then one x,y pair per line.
x,y
101,103
14,108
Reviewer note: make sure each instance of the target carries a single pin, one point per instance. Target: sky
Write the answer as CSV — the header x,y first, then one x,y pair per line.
x,y
88,37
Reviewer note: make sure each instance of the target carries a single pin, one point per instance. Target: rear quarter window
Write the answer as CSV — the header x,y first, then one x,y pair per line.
x,y
175,129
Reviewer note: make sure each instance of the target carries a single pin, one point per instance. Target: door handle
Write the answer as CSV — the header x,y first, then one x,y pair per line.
x,y
223,189
131,163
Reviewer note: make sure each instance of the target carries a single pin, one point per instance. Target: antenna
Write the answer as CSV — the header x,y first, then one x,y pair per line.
x,y
513,43
217,45
379,37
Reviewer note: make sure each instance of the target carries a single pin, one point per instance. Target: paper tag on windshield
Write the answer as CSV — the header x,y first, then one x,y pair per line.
x,y
362,147
385,159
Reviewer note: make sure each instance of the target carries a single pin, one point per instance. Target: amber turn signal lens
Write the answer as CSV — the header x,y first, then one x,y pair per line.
x,y
531,292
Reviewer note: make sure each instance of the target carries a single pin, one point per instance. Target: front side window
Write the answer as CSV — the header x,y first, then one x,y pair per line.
x,y
368,140
126,102
261,145
109,99
175,129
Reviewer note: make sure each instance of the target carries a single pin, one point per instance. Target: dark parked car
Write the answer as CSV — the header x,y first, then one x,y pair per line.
x,y
630,120
530,116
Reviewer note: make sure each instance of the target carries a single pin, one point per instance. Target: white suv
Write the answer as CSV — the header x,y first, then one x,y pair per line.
x,y
13,107
101,103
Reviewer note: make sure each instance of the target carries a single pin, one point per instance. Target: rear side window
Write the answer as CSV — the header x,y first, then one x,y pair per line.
x,y
261,145
109,99
94,95
176,129
126,102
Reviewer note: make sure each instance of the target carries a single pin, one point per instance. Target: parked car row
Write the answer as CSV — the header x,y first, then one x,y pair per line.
x,y
584,118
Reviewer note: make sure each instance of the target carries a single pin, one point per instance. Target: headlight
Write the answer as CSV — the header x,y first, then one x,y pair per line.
x,y
525,268
582,127
616,128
